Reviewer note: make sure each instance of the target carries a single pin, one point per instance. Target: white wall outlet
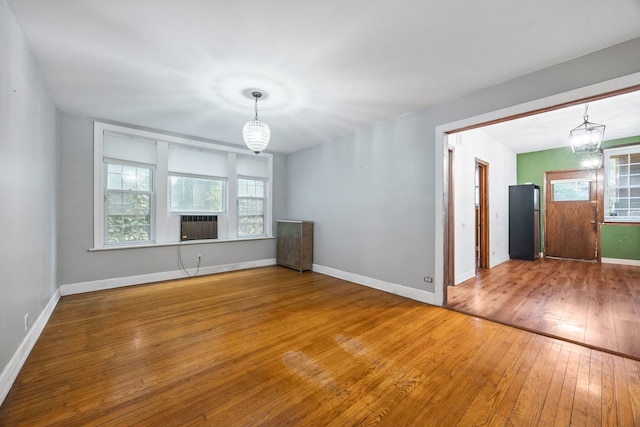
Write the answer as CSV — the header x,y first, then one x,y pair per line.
x,y
428,279
26,322
199,257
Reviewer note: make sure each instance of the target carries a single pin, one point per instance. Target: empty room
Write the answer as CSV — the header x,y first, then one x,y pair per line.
x,y
264,213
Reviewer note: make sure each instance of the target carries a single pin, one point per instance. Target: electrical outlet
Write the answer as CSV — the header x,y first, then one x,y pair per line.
x,y
199,257
26,322
428,279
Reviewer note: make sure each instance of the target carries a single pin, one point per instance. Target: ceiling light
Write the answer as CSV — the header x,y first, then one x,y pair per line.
x,y
592,160
588,136
256,134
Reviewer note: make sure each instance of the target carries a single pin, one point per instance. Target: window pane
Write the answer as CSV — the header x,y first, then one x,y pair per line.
x,y
623,185
128,217
251,225
571,191
196,194
251,218
250,188
120,177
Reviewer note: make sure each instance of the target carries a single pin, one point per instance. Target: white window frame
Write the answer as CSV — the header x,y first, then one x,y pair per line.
x,y
152,200
161,224
632,149
265,201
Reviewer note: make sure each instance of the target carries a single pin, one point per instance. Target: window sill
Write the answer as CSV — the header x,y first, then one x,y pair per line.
x,y
185,243
621,222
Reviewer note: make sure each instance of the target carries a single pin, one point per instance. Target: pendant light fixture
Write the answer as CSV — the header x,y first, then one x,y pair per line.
x,y
256,133
592,160
586,138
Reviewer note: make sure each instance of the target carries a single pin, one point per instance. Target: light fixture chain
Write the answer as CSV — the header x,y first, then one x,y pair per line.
x,y
586,112
256,108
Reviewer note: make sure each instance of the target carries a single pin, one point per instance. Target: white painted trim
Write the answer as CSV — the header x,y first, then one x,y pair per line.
x,y
119,282
11,371
159,205
403,291
620,261
183,243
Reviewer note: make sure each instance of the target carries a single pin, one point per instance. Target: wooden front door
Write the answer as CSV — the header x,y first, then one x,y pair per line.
x,y
571,209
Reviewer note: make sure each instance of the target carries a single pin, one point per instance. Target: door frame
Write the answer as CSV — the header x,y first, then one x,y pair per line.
x,y
604,89
483,215
450,277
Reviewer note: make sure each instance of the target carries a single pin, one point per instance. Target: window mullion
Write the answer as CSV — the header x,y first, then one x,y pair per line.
x,y
161,219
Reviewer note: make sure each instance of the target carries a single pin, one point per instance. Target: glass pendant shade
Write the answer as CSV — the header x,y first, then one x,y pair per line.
x,y
256,135
592,160
586,138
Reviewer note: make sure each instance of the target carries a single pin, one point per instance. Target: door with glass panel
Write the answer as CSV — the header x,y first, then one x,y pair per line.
x,y
571,212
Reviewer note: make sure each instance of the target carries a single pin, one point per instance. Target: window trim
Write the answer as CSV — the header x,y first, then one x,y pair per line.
x,y
152,201
627,149
160,222
265,201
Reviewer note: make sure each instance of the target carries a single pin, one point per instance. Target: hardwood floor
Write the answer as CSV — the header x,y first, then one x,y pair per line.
x,y
589,303
274,347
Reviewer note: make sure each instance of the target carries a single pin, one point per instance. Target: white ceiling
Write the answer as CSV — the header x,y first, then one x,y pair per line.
x,y
329,67
620,114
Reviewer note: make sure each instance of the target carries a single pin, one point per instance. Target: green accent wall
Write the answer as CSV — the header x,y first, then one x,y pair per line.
x,y
617,241
620,241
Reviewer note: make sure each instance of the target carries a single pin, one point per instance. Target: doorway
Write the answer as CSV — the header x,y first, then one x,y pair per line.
x,y
571,215
450,224
482,214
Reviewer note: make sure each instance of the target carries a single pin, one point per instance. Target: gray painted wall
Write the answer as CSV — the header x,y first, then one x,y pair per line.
x,y
374,195
78,265
370,196
28,181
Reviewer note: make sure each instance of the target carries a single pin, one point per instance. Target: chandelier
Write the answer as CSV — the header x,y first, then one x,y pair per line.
x,y
587,137
256,133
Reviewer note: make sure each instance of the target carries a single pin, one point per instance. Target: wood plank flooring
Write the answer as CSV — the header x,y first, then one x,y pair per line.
x,y
589,303
274,347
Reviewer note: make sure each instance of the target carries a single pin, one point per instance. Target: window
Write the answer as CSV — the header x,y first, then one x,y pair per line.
x,y
128,203
189,194
622,193
144,181
128,164
197,179
250,207
571,190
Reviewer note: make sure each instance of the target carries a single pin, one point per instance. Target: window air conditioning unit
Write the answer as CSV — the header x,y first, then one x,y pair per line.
x,y
198,227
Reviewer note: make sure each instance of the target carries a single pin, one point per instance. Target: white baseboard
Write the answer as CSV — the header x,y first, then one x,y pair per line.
x,y
499,261
403,291
119,282
11,371
464,276
620,261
